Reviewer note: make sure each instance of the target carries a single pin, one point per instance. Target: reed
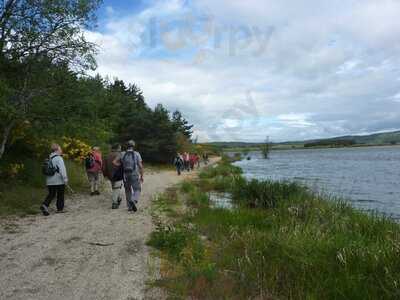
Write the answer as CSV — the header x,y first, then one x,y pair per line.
x,y
280,242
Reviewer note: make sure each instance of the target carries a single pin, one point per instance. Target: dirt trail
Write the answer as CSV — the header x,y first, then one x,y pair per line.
x,y
90,252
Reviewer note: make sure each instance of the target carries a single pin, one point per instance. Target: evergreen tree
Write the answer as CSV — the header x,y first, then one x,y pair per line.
x,y
181,124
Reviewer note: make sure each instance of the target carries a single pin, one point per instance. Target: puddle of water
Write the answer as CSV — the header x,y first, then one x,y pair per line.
x,y
221,200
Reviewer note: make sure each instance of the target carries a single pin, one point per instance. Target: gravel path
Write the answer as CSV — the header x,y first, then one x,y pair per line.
x,y
90,252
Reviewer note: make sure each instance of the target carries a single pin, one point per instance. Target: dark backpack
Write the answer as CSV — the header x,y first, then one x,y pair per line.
x,y
117,174
129,162
48,168
89,161
178,161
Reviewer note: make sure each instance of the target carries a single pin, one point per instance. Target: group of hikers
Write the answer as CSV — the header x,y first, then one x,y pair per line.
x,y
124,169
188,161
121,168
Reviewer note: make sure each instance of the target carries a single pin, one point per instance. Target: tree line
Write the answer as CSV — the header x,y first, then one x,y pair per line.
x,y
46,94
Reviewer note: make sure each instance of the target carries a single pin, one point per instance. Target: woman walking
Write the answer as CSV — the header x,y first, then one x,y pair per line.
x,y
56,179
94,164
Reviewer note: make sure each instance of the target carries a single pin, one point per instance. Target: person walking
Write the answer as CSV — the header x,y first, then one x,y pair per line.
x,y
186,161
192,161
132,168
197,157
178,162
114,175
56,179
94,164
205,158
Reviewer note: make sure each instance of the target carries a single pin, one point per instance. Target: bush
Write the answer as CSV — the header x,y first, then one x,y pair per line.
x,y
170,239
23,193
221,169
265,194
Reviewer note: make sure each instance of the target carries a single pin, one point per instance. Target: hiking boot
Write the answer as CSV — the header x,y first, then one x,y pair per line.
x,y
114,206
97,193
132,207
92,193
44,210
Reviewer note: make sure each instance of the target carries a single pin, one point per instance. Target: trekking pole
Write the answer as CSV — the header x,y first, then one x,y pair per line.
x,y
70,189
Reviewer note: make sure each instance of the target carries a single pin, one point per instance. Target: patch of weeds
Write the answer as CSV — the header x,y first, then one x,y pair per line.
x,y
197,198
171,239
187,186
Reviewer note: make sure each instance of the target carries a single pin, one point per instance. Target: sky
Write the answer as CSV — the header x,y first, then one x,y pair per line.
x,y
244,70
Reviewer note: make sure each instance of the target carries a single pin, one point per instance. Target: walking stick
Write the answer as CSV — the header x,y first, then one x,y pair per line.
x,y
72,192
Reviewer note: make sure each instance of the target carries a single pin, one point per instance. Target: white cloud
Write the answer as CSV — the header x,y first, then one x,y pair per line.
x,y
328,73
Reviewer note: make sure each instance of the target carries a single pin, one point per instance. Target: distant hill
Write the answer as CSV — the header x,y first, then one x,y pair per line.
x,y
371,139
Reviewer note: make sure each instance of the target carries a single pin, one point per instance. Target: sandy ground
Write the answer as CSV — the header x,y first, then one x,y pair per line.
x,y
89,252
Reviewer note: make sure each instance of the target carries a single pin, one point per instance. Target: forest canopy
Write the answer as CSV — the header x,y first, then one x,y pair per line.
x,y
46,95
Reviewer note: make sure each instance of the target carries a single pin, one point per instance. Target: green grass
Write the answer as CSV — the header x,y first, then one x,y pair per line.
x,y
281,242
23,194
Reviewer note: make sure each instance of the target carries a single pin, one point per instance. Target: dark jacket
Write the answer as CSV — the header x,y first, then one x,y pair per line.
x,y
108,166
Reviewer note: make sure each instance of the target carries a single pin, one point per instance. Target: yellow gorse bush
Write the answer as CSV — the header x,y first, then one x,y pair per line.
x,y
75,149
14,169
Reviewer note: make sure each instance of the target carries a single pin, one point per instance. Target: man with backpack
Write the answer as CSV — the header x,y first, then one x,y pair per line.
x,y
114,174
178,162
132,168
94,165
56,179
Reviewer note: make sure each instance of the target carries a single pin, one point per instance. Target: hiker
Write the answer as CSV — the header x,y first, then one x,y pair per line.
x,y
56,179
192,161
94,165
186,161
205,158
178,162
132,168
197,161
114,175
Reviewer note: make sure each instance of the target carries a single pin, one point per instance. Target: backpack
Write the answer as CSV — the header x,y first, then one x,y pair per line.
x,y
89,161
117,174
178,161
129,162
48,168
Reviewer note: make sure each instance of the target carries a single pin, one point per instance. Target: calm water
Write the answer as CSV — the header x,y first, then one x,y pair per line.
x,y
368,177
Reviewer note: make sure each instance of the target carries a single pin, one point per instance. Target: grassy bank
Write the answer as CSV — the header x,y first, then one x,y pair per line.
x,y
279,242
22,190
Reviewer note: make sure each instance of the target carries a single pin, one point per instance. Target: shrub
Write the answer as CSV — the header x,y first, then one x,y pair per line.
x,y
171,239
265,194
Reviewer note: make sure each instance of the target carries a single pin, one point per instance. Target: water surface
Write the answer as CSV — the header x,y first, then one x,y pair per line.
x,y
368,177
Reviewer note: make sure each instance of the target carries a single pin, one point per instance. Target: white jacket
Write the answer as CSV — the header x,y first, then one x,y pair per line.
x,y
61,175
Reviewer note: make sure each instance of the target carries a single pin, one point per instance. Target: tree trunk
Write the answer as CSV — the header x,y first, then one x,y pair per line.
x,y
6,135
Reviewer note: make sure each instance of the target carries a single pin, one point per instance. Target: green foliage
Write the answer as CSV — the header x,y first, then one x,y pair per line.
x,y
171,239
181,125
222,169
282,242
265,194
44,95
22,193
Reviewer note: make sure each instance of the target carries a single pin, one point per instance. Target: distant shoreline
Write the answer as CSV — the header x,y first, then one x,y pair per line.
x,y
283,147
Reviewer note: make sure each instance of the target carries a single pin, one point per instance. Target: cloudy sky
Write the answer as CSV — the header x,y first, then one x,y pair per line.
x,y
244,70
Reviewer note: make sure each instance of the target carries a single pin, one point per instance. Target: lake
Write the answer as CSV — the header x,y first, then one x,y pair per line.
x,y
368,177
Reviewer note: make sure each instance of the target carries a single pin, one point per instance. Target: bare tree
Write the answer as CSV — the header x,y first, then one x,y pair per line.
x,y
266,148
